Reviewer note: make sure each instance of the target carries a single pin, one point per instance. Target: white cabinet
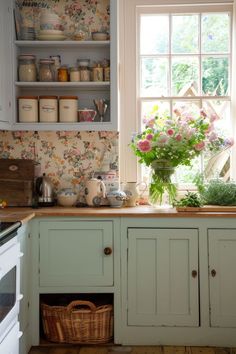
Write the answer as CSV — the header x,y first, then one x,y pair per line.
x,y
162,277
70,51
25,275
6,95
222,266
76,253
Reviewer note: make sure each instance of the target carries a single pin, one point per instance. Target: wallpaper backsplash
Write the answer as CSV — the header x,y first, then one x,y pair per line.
x,y
68,157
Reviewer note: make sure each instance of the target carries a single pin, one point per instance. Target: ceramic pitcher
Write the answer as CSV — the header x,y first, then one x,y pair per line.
x,y
94,190
131,190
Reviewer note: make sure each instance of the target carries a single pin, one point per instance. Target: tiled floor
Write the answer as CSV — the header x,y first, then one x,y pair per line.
x,y
131,350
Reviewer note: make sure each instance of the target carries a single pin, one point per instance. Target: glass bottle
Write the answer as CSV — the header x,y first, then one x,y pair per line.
x,y
27,68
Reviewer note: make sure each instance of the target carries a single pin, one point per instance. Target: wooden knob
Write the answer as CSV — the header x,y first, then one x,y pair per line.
x,y
213,273
107,251
194,273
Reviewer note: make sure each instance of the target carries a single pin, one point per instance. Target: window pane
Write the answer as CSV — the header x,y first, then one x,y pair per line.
x,y
186,174
215,33
185,34
220,112
154,77
154,34
192,107
215,76
185,76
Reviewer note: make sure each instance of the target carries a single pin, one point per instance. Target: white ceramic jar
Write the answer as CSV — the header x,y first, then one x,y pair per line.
x,y
28,109
48,109
68,109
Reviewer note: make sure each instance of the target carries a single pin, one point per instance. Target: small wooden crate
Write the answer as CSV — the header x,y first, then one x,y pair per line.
x,y
79,322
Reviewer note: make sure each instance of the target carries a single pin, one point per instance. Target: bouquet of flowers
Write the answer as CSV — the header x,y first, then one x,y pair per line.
x,y
167,142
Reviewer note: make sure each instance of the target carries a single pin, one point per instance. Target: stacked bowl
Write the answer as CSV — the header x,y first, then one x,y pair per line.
x,y
50,27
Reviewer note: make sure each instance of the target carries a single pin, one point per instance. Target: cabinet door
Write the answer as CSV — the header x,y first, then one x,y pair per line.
x,y
162,277
5,64
23,238
222,266
72,253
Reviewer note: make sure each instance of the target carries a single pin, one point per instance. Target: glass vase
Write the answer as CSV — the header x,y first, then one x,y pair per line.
x,y
162,191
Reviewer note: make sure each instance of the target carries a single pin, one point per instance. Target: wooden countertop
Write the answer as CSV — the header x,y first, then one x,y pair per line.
x,y
26,214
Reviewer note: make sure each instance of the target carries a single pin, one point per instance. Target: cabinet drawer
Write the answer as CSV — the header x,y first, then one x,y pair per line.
x,y
72,253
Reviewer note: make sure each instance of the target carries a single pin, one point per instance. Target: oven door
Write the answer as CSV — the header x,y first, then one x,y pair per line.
x,y
9,286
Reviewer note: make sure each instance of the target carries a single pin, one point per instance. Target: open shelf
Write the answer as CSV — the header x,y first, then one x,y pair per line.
x,y
62,44
63,85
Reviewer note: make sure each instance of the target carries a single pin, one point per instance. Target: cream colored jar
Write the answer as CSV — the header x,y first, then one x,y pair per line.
x,y
27,68
28,109
48,109
68,109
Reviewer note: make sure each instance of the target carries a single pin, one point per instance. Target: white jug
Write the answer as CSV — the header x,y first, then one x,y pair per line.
x,y
95,190
130,188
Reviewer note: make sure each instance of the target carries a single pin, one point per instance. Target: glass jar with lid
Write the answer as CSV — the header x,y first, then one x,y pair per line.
x,y
74,74
27,68
63,75
46,70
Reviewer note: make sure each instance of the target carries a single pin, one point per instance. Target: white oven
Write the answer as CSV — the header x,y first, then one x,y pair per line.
x,y
9,290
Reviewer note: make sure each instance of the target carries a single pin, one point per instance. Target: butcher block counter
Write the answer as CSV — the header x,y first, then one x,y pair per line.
x,y
26,214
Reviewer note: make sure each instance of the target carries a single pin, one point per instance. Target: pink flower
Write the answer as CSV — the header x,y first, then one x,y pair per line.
x,y
178,137
213,117
170,132
177,112
203,113
150,123
213,136
162,139
200,146
144,145
149,136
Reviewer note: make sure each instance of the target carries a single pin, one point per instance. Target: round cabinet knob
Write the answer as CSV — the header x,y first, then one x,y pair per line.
x,y
107,251
213,273
194,273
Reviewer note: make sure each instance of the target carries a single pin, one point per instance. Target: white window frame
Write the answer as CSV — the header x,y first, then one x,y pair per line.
x,y
128,73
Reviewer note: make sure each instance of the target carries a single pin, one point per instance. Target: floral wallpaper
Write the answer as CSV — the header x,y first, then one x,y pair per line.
x,y
85,15
68,158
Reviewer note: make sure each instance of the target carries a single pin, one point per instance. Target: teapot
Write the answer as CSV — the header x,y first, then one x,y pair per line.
x,y
95,190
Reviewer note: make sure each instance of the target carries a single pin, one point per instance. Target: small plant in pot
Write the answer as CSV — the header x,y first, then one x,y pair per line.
x,y
190,200
217,191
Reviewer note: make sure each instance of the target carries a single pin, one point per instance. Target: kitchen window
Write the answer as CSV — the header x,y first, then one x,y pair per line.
x,y
176,55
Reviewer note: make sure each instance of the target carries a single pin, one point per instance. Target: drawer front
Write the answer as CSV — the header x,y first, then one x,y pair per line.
x,y
72,253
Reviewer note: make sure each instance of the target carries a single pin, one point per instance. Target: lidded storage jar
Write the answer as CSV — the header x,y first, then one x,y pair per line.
x,y
27,68
46,70
28,109
68,107
48,109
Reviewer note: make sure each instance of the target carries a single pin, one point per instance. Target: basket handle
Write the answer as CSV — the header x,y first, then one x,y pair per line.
x,y
81,302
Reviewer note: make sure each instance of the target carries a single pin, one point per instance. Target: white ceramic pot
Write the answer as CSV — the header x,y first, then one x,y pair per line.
x,y
131,190
95,190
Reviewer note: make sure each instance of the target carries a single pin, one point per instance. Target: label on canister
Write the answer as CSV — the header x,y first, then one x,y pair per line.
x,y
28,109
48,110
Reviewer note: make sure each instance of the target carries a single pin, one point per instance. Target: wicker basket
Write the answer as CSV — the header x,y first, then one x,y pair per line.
x,y
71,324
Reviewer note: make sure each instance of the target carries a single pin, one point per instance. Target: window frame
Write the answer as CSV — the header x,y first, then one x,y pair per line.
x,y
129,12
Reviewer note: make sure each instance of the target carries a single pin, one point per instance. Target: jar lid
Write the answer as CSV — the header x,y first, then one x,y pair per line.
x,y
26,56
46,61
48,97
28,97
74,69
83,62
68,98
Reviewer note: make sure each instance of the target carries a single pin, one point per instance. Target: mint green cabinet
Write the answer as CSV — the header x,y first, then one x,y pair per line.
x,y
76,253
162,277
222,266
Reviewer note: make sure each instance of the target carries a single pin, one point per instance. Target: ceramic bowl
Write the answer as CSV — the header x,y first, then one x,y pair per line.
x,y
116,198
66,197
87,115
99,36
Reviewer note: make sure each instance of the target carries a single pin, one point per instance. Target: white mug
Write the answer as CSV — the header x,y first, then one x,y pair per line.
x,y
130,188
95,190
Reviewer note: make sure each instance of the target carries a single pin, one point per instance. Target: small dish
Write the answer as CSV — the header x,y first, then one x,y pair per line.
x,y
99,36
66,197
51,37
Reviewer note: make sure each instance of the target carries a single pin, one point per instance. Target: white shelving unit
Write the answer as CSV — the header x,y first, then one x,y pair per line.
x,y
69,51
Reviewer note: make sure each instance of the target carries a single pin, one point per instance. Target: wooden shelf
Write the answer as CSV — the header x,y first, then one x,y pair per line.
x,y
90,85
